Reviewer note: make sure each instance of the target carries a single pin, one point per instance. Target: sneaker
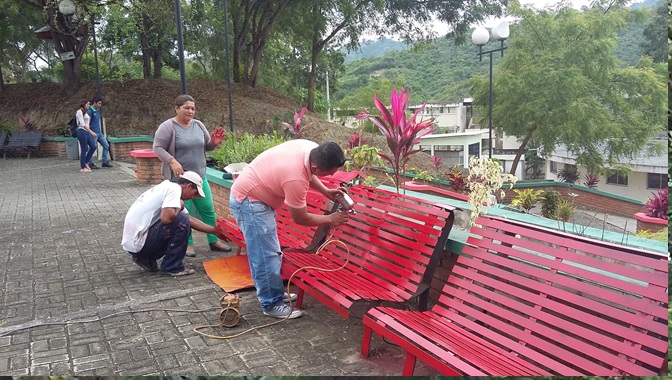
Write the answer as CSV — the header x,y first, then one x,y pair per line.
x,y
146,264
107,165
185,272
286,297
93,166
190,252
282,312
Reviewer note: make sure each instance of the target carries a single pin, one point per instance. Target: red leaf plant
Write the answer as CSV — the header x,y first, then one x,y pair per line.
x,y
436,161
401,133
657,205
356,140
297,130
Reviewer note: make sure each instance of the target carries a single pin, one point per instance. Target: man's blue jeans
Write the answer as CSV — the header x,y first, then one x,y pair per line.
x,y
168,241
106,149
257,222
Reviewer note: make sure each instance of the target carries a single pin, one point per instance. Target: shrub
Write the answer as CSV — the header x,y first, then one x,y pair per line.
x,y
421,175
457,181
657,205
363,157
526,199
591,181
549,203
244,148
296,129
565,210
401,133
568,174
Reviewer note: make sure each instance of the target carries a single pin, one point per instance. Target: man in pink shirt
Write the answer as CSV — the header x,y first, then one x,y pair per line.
x,y
281,175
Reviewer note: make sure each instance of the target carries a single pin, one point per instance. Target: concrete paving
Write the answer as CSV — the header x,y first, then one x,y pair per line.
x,y
72,302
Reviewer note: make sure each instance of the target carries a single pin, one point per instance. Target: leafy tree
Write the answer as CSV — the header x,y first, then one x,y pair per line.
x,y
154,22
561,84
654,34
67,33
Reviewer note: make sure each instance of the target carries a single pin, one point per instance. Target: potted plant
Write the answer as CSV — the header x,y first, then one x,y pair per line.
x,y
656,216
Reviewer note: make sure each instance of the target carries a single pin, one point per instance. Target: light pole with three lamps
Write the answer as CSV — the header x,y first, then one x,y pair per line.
x,y
480,37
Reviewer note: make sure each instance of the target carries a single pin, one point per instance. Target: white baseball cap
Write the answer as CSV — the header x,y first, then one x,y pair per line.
x,y
196,179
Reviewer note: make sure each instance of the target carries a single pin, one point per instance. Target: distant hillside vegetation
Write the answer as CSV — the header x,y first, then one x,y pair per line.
x,y
371,48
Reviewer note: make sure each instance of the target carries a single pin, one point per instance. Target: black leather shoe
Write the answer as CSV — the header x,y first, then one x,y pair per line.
x,y
93,166
107,165
224,248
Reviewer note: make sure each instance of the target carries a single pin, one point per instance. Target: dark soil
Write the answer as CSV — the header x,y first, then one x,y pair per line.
x,y
137,107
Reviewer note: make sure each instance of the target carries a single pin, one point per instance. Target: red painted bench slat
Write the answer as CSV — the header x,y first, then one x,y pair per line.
x,y
290,234
395,243
563,304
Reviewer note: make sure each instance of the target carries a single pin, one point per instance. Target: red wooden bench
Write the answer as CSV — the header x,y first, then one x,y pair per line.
x,y
395,243
523,300
290,234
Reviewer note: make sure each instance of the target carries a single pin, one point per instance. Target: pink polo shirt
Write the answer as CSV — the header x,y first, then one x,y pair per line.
x,y
280,175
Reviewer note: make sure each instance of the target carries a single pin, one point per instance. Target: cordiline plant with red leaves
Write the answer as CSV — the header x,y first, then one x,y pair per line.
x,y
401,133
297,130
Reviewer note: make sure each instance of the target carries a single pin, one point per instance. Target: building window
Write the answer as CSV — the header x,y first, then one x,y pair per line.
x,y
656,181
554,167
617,179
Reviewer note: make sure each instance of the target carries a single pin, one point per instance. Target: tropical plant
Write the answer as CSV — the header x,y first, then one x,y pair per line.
x,y
457,181
549,203
364,157
591,180
296,129
485,178
526,198
656,206
244,148
437,161
401,133
569,174
421,175
27,124
356,140
565,210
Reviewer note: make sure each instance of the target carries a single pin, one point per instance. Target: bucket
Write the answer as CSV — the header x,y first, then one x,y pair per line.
x,y
72,150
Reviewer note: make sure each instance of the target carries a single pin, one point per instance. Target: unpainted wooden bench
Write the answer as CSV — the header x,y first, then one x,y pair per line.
x,y
394,241
523,300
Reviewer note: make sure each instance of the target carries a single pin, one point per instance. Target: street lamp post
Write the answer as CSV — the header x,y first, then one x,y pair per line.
x,y
480,37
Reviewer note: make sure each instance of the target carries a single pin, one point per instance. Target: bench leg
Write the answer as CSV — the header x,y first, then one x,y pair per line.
x,y
299,299
366,341
409,365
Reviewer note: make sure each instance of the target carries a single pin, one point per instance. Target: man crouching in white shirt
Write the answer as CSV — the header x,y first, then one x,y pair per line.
x,y
157,225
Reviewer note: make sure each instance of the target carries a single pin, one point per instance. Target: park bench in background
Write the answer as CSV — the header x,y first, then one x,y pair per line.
x,y
395,243
522,300
3,139
24,142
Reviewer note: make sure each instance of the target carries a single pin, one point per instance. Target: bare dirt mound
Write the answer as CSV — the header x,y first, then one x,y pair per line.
x,y
137,107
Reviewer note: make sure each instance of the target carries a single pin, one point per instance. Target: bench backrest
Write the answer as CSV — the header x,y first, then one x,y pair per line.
x,y
570,304
294,235
25,139
394,237
3,137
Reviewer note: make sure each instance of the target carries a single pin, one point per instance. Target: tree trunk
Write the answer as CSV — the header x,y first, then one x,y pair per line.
x,y
146,49
521,149
312,79
158,63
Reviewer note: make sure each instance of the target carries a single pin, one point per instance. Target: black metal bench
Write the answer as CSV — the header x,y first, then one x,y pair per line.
x,y
21,142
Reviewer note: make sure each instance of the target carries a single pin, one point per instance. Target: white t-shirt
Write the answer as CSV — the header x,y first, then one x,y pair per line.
x,y
146,210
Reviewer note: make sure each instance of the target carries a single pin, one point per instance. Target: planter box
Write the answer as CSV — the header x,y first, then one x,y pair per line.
x,y
148,166
648,223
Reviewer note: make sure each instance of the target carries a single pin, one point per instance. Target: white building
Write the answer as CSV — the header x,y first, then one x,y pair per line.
x,y
647,174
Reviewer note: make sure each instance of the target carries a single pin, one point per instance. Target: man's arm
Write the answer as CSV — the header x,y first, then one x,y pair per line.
x,y
202,227
303,217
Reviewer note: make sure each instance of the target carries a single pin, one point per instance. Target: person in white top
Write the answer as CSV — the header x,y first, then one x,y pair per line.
x,y
85,136
157,225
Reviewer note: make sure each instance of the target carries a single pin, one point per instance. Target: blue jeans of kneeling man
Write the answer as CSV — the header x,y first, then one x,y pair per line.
x,y
168,241
257,222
